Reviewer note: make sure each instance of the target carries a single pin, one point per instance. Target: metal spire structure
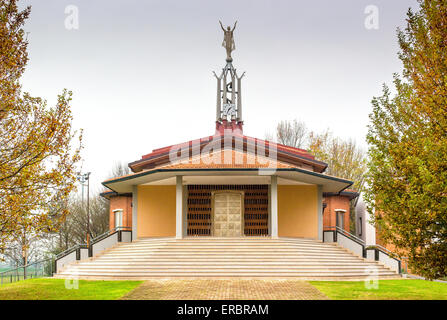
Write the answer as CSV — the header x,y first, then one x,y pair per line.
x,y
229,90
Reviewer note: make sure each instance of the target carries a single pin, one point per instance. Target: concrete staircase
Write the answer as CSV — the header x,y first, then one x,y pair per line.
x,y
225,257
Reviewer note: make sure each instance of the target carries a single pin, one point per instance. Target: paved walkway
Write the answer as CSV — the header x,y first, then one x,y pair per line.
x,y
225,290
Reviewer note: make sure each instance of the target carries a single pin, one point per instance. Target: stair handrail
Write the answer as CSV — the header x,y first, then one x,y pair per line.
x,y
70,250
345,233
377,247
109,233
348,234
384,250
93,241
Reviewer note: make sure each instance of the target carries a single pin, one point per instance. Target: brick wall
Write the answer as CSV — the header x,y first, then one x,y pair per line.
x,y
124,203
333,203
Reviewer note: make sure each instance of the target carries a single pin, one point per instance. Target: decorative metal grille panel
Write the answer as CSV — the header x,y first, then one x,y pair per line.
x,y
199,215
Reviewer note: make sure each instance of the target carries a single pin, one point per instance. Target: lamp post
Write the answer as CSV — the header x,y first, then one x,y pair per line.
x,y
83,178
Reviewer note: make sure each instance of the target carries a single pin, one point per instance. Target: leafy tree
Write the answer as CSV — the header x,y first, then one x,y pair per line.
x,y
407,174
344,157
37,156
13,54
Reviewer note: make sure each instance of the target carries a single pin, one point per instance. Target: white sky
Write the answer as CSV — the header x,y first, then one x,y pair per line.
x,y
141,71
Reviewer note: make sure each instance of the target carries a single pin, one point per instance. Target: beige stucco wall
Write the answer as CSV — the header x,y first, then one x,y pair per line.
x,y
156,211
297,211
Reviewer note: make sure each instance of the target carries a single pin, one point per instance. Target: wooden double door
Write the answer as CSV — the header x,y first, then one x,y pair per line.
x,y
228,214
205,201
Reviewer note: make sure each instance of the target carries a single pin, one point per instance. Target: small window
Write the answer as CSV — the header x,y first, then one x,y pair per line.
x,y
360,226
118,218
340,219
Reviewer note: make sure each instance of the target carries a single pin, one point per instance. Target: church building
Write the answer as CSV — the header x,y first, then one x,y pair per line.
x,y
229,184
227,205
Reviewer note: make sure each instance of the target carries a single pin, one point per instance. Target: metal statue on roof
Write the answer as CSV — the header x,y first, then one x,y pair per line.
x,y
228,41
229,87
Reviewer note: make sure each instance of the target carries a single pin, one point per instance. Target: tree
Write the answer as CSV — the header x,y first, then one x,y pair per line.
x,y
407,170
37,155
344,157
73,229
27,246
13,53
292,133
119,169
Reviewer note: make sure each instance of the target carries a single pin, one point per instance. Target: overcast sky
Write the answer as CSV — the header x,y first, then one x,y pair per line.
x,y
141,71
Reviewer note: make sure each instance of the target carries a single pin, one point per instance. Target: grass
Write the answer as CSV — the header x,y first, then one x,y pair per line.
x,y
404,289
56,289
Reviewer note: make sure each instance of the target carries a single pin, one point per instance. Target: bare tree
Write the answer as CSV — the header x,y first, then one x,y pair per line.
x,y
72,231
119,169
290,133
26,247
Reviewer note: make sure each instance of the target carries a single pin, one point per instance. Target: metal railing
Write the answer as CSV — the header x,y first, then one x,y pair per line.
x,y
404,264
384,249
93,241
39,269
83,251
70,250
377,248
108,233
47,267
344,232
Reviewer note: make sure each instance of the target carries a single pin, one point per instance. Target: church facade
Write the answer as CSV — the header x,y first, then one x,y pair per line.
x,y
229,184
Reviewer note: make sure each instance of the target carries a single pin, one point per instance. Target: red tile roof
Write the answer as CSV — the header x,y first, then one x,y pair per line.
x,y
286,154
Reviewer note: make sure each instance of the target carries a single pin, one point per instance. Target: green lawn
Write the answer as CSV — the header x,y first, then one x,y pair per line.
x,y
404,289
55,289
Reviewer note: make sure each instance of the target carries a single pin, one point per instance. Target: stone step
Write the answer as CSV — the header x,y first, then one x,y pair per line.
x,y
229,248
225,257
217,260
232,242
229,251
346,277
227,261
225,242
225,247
234,268
225,273
202,256
224,254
